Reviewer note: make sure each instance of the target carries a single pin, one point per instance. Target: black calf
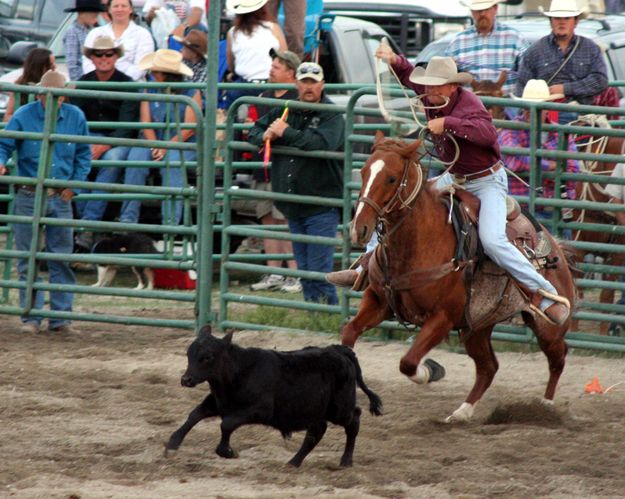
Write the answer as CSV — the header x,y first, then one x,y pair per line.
x,y
289,391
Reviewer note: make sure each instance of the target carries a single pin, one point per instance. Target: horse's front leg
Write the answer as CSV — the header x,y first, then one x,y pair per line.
x,y
479,347
371,312
434,330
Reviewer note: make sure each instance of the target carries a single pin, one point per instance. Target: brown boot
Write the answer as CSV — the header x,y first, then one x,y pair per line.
x,y
342,278
558,313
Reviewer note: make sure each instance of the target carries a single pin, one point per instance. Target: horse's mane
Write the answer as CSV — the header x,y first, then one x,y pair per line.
x,y
399,147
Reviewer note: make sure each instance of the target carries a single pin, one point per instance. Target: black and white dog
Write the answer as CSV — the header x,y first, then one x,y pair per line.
x,y
119,245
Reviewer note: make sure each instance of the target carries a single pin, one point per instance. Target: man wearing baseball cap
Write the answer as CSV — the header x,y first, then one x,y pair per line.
x,y
570,64
283,67
488,47
307,130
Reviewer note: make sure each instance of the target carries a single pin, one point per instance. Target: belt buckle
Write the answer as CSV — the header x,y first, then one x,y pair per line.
x,y
460,179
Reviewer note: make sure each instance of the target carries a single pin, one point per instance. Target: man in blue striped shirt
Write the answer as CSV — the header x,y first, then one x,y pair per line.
x,y
488,47
570,64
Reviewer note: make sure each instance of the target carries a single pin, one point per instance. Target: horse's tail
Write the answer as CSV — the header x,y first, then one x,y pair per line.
x,y
375,402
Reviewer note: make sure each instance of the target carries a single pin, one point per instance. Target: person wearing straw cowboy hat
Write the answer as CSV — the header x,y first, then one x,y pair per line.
x,y
453,110
488,47
70,161
75,36
104,53
164,66
536,91
570,64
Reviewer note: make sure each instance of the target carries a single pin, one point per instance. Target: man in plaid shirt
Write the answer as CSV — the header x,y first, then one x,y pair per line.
x,y
571,65
487,48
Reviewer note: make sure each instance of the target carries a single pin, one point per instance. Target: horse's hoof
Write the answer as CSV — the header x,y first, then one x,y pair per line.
x,y
437,371
463,414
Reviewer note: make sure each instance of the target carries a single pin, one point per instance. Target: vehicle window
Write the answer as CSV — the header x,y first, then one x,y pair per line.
x,y
56,44
6,8
53,11
616,57
361,61
25,10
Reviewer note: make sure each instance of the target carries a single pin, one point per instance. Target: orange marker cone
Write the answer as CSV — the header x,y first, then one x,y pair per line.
x,y
594,386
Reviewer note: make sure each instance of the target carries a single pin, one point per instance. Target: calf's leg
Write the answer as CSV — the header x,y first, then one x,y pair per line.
x,y
351,431
312,438
206,409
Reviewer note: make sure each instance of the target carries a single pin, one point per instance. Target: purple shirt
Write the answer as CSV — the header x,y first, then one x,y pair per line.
x,y
466,119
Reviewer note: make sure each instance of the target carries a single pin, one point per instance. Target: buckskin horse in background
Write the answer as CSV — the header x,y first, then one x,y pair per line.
x,y
590,191
418,274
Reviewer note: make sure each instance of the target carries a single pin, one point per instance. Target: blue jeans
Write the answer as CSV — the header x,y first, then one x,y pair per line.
x,y
492,191
316,257
94,209
171,177
57,240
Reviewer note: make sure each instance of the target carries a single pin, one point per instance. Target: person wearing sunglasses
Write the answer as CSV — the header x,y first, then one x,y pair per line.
x,y
307,130
104,54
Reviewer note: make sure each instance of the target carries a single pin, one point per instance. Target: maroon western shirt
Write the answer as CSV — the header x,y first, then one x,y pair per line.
x,y
466,119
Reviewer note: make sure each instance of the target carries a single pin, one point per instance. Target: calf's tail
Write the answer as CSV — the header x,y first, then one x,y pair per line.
x,y
375,402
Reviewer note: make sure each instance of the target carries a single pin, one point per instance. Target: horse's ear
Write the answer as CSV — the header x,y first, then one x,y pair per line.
x,y
379,137
412,148
474,83
502,78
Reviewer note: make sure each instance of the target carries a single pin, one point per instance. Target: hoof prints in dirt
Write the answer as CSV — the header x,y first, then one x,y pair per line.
x,y
534,413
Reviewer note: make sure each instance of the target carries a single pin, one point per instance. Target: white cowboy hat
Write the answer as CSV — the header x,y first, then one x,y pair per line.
x,y
537,91
480,4
244,6
439,71
563,8
167,61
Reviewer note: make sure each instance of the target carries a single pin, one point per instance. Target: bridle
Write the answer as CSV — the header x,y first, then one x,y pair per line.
x,y
398,201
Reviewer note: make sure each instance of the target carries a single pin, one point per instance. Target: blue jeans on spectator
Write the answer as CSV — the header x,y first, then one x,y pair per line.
x,y
94,209
57,240
170,177
316,257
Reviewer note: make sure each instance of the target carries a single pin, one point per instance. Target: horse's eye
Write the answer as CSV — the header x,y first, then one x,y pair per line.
x,y
391,180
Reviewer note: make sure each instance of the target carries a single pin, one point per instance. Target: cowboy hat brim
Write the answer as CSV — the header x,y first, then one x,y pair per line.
x,y
418,76
88,50
563,13
243,6
477,5
538,99
147,64
190,46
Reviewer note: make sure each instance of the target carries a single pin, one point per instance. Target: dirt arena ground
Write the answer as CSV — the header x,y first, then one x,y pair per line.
x,y
86,416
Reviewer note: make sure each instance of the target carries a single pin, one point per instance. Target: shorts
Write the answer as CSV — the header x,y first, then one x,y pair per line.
x,y
266,207
614,190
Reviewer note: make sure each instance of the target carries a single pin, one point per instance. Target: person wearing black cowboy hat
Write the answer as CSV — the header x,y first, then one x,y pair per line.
x,y
75,36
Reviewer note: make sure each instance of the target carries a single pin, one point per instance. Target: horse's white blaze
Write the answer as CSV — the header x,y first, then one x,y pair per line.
x,y
463,413
376,167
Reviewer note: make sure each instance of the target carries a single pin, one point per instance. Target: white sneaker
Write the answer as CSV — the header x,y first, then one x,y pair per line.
x,y
291,285
268,282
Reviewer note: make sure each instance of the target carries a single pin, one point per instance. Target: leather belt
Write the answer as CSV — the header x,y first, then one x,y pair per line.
x,y
49,191
461,179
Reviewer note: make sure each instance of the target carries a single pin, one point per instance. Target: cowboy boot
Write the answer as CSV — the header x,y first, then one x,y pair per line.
x,y
342,278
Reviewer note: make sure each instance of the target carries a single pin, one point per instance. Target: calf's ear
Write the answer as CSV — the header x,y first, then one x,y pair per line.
x,y
228,339
206,330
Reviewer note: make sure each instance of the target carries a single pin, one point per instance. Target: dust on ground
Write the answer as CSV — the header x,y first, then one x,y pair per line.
x,y
86,415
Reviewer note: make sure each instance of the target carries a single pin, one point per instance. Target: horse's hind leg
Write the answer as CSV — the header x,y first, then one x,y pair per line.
x,y
370,313
480,349
551,341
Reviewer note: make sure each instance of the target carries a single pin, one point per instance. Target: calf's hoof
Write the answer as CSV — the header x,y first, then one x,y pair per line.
x,y
346,462
296,463
226,452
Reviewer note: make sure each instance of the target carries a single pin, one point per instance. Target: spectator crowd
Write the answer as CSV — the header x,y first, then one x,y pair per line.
x,y
107,43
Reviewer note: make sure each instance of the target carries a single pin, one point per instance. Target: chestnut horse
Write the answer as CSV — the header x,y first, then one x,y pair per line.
x,y
413,274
